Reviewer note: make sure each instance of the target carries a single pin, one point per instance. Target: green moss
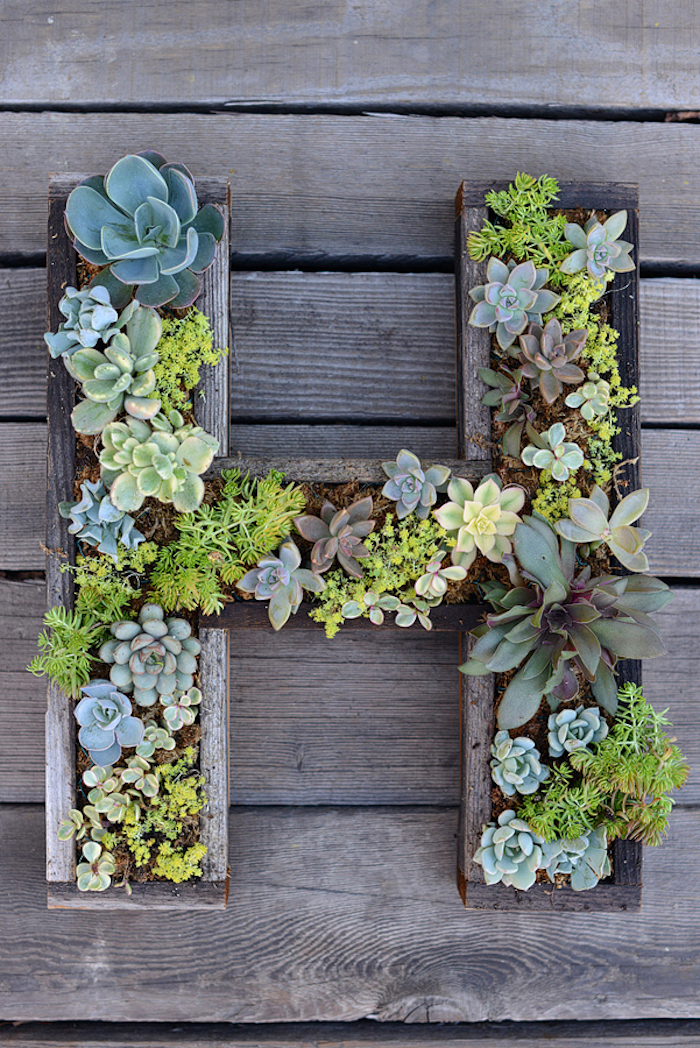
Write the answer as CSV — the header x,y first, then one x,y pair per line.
x,y
398,554
185,345
179,865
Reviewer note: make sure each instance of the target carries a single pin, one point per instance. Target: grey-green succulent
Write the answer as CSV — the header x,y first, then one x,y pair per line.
x,y
511,298
554,452
141,222
106,724
97,521
482,520
592,398
416,609
508,393
588,522
94,873
139,776
161,458
179,709
338,533
373,606
555,621
510,852
584,858
155,738
571,730
79,824
120,376
281,580
90,318
516,765
152,657
413,489
547,356
433,583
598,247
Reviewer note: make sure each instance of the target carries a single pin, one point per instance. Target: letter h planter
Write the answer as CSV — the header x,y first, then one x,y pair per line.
x,y
211,406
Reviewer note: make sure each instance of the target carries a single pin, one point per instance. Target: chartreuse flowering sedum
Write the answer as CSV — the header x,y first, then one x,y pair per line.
x,y
588,522
413,489
482,520
516,765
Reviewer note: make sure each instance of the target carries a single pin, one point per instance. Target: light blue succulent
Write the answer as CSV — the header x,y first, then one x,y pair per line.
x,y
98,522
90,318
106,724
598,247
516,765
511,298
510,852
141,222
412,488
555,453
571,730
584,858
281,580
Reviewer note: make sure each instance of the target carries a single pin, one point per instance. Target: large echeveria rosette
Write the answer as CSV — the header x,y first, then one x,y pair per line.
x,y
482,520
141,221
512,297
106,724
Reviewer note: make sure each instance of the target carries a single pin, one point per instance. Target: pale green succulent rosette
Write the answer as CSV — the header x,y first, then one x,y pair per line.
x,y
510,852
516,765
106,724
481,520
511,298
281,580
592,398
588,522
584,858
95,872
554,453
412,488
571,730
598,247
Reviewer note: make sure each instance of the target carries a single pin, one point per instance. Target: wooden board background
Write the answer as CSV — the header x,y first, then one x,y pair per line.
x,y
361,122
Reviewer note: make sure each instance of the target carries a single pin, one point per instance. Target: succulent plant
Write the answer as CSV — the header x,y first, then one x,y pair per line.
x,y
512,297
554,621
416,608
598,247
593,397
571,730
516,765
434,582
510,852
338,533
106,724
546,356
79,824
152,657
141,222
154,738
94,873
480,520
90,318
585,858
162,459
120,376
376,604
100,781
281,580
139,775
507,392
554,453
97,521
179,708
588,522
412,488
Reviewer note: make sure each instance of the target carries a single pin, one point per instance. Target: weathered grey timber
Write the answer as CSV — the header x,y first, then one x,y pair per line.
x,y
212,889
328,326
344,913
332,471
601,56
366,188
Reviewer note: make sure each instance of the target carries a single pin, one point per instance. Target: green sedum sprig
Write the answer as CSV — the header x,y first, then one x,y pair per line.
x,y
66,657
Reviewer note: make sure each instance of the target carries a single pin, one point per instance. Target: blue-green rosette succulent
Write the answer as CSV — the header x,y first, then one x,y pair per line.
x,y
106,724
90,318
598,246
281,580
511,299
97,521
571,730
510,852
584,858
516,765
141,222
412,488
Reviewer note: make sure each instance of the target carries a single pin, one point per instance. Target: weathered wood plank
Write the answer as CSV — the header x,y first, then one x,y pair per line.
x,y
332,471
204,895
374,187
362,719
433,442
213,751
649,1033
306,317
253,615
340,914
599,55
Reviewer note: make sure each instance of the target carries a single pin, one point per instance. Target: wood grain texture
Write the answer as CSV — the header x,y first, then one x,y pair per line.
x,y
591,54
213,751
473,345
22,496
373,187
331,471
390,737
253,615
652,1033
410,316
341,914
204,895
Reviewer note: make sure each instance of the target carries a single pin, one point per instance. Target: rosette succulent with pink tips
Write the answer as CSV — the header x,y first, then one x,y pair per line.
x,y
481,520
338,533
281,580
511,297
547,358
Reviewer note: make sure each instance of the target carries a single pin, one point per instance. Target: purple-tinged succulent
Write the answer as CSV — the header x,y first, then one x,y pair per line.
x,y
598,247
338,533
512,296
546,357
514,401
281,580
412,488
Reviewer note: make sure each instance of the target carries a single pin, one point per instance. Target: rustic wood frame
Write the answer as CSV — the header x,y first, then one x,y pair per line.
x,y
623,891
211,408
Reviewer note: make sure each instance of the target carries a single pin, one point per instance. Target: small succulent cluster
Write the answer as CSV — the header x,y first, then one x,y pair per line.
x,y
546,357
281,580
96,520
413,489
338,533
90,318
598,247
162,459
584,858
571,730
481,520
592,398
513,296
106,723
553,452
516,765
588,523
509,395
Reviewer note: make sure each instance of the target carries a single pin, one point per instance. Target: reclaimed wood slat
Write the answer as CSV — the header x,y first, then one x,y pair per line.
x,y
341,914
669,459
331,471
592,54
252,615
329,327
650,1033
389,738
373,187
